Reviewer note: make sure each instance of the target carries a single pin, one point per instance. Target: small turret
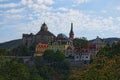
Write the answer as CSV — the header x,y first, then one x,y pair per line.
x,y
44,27
71,34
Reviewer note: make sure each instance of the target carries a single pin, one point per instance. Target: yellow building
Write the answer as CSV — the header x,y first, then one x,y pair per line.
x,y
56,46
62,43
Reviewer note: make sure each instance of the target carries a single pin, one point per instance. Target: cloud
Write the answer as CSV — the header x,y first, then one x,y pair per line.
x,y
34,4
82,23
38,4
9,5
118,7
80,1
46,2
19,10
27,16
118,18
104,11
15,17
63,9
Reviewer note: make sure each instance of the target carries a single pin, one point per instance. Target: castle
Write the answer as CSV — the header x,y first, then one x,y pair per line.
x,y
45,39
44,36
60,42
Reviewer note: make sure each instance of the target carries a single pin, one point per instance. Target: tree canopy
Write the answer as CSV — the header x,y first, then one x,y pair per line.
x,y
54,66
80,43
106,66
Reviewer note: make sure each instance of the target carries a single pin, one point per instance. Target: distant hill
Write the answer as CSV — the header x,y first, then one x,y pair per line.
x,y
108,40
111,40
11,44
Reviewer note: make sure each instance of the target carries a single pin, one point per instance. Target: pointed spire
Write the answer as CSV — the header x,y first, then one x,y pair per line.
x,y
71,34
71,31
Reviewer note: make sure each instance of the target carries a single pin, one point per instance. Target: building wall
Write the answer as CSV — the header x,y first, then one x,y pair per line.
x,y
60,47
82,56
40,48
69,52
28,39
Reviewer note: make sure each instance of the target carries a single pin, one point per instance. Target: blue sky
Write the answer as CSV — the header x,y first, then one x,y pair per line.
x,y
91,18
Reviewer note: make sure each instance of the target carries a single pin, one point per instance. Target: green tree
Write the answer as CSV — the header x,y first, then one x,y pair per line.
x,y
32,49
110,51
34,75
21,51
10,69
49,55
3,51
80,43
52,65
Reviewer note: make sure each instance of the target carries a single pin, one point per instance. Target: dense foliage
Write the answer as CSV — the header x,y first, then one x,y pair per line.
x,y
51,66
106,66
10,69
18,51
54,67
80,43
110,51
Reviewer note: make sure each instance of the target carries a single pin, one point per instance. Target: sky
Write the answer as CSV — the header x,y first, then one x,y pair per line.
x,y
90,18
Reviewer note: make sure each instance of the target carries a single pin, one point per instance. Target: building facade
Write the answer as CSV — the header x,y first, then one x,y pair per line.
x,y
83,57
43,36
99,43
40,48
61,42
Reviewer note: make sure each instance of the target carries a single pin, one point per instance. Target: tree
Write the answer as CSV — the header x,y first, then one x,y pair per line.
x,y
110,51
59,56
21,51
10,69
52,65
32,49
49,55
3,51
80,43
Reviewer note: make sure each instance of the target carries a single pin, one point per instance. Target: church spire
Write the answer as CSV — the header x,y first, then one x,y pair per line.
x,y
71,34
71,31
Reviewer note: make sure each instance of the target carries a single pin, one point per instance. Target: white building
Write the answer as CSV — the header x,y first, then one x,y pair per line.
x,y
82,56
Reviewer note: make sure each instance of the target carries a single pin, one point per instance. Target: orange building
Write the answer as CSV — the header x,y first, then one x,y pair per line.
x,y
40,48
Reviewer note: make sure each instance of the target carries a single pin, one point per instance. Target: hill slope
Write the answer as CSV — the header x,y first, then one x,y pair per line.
x,y
11,44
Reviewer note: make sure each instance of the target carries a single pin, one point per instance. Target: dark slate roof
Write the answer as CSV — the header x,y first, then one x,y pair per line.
x,y
45,33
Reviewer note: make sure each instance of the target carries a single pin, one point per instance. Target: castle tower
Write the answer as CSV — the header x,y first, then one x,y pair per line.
x,y
44,27
71,34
